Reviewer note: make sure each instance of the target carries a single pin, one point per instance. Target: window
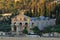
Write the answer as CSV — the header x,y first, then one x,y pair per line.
x,y
26,24
21,24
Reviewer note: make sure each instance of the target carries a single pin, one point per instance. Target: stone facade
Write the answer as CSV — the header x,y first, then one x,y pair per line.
x,y
19,22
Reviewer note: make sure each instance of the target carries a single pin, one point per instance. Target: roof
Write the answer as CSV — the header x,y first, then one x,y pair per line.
x,y
21,15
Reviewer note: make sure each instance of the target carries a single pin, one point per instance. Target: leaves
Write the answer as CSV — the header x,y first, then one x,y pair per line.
x,y
36,30
25,31
5,27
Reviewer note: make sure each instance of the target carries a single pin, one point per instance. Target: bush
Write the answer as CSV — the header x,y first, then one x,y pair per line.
x,y
25,31
5,27
0,15
57,28
58,20
47,30
36,30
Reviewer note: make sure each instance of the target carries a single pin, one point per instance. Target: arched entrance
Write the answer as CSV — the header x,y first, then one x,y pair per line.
x,y
20,26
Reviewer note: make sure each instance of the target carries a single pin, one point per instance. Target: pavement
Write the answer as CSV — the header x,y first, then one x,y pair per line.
x,y
27,38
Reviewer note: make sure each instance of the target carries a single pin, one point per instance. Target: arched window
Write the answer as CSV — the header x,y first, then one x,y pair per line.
x,y
26,23
21,24
15,28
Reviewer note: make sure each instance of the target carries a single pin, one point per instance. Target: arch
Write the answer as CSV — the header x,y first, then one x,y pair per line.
x,y
15,28
20,23
26,23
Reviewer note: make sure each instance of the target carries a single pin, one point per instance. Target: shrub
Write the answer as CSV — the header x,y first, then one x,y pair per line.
x,y
36,31
57,28
47,30
58,20
5,27
25,31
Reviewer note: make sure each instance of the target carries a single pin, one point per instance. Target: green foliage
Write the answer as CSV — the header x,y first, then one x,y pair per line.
x,y
0,15
28,13
34,14
58,20
36,30
5,27
25,31
57,28
6,20
15,12
47,30
45,10
57,10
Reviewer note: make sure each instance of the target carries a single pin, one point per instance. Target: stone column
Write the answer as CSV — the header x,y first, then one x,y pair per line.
x,y
17,29
12,27
17,32
28,28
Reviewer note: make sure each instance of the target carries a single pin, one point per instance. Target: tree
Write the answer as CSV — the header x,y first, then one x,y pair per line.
x,y
57,10
5,27
28,13
45,9
57,28
58,20
37,31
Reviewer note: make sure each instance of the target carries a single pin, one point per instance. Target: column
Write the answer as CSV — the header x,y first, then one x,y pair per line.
x,y
17,32
12,27
28,28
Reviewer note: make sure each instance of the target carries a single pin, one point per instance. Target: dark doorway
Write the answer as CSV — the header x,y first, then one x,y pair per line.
x,y
20,24
26,24
14,28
